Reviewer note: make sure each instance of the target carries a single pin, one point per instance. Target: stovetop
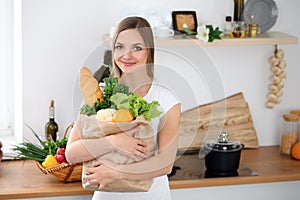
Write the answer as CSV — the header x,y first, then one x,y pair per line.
x,y
191,167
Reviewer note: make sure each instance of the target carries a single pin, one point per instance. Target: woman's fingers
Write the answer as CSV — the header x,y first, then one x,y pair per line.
x,y
137,156
128,145
96,164
141,155
141,142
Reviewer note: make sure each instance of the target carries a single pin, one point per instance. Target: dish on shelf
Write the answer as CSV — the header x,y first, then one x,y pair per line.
x,y
265,13
159,16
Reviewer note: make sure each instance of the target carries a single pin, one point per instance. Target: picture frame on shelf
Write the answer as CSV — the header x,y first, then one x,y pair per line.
x,y
179,18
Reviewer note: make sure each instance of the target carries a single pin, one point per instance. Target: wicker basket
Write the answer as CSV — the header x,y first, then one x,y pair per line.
x,y
66,172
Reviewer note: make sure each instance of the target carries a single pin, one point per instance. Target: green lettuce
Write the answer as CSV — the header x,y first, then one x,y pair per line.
x,y
120,100
136,105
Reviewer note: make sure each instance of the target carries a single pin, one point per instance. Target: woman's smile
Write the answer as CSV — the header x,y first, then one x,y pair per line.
x,y
128,64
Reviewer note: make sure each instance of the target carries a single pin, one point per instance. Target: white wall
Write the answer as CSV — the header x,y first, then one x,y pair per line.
x,y
59,36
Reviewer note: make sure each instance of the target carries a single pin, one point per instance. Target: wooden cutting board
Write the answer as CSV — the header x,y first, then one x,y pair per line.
x,y
205,122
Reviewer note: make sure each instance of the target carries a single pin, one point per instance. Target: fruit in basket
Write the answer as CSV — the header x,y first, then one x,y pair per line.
x,y
50,161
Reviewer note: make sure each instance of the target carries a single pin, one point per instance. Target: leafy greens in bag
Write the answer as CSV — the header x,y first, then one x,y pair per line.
x,y
117,96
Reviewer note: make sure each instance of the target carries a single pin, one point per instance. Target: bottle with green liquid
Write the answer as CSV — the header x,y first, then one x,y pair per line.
x,y
51,126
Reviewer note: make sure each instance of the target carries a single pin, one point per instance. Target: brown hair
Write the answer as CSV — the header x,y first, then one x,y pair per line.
x,y
144,28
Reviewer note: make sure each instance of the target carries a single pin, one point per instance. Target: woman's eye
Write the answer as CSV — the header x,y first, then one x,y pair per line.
x,y
137,48
118,47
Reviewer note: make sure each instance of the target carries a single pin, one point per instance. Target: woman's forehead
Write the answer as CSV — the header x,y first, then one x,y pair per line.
x,y
130,36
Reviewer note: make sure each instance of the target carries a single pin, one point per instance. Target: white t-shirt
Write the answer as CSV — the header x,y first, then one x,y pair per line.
x,y
160,187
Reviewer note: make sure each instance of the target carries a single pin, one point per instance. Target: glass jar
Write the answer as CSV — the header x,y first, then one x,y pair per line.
x,y
297,112
238,30
289,133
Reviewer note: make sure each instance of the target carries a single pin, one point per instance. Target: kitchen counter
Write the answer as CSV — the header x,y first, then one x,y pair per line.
x,y
23,179
266,163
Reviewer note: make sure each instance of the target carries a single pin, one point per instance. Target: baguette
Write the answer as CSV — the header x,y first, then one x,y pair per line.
x,y
90,89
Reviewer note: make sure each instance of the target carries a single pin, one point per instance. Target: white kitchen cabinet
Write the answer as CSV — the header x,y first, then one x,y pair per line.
x,y
274,191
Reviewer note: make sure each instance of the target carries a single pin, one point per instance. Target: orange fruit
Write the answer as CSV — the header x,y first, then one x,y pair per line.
x,y
295,151
123,115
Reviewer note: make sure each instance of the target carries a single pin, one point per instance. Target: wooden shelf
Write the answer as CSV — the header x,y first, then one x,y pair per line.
x,y
267,38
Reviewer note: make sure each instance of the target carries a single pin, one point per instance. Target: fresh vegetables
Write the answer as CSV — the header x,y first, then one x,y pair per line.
x,y
42,152
106,114
50,161
30,151
117,96
139,106
60,155
122,115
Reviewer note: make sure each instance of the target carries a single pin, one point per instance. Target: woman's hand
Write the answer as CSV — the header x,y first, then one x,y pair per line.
x,y
101,174
129,146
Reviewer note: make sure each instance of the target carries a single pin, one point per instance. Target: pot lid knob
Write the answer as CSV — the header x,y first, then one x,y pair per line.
x,y
223,137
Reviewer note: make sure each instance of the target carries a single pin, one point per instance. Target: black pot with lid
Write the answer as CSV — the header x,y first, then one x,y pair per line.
x,y
222,157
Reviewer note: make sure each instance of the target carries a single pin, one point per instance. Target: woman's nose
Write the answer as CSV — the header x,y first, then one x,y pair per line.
x,y
127,54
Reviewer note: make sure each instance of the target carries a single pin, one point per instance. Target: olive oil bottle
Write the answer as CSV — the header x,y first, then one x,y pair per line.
x,y
51,126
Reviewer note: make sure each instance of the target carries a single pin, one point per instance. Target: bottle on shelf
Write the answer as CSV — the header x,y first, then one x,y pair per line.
x,y
238,10
227,26
51,127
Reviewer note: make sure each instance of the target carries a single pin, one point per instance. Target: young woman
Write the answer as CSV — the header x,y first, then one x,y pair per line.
x,y
133,64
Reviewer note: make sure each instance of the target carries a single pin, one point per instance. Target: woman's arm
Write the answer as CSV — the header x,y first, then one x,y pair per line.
x,y
81,150
154,166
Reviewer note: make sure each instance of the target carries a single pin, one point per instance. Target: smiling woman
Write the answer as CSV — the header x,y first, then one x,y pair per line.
x,y
153,156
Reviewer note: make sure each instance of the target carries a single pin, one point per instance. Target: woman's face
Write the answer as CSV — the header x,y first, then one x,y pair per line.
x,y
130,50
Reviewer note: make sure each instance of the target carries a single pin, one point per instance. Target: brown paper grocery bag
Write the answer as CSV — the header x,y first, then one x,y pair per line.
x,y
90,127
